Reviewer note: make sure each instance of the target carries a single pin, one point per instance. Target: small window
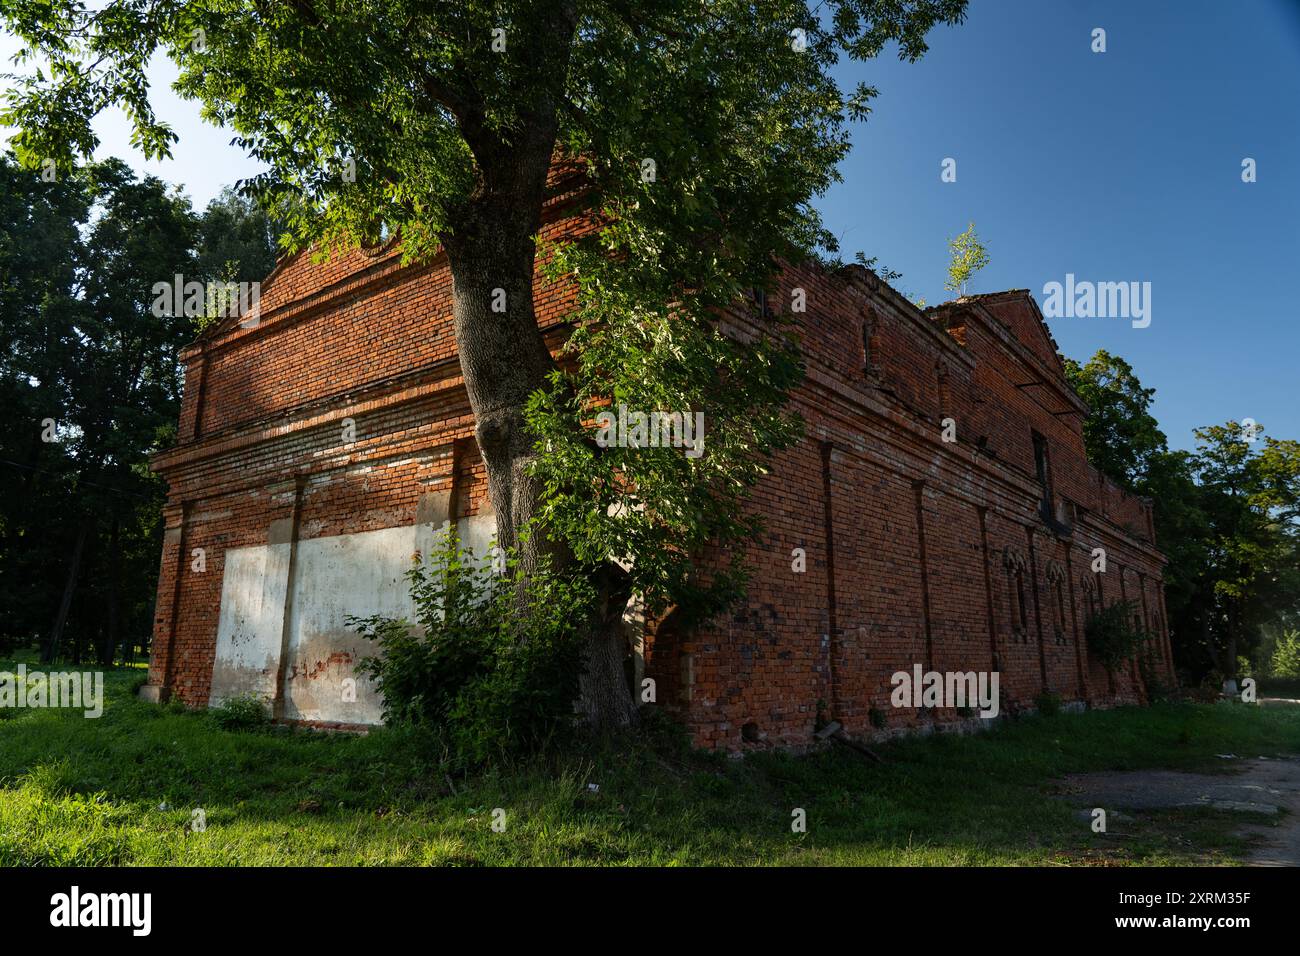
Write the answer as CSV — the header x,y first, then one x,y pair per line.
x,y
1060,612
1024,611
1020,610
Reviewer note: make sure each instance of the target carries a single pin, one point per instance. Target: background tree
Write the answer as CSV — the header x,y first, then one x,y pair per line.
x,y
1225,515
40,247
1121,434
1250,492
80,524
1284,655
237,242
702,133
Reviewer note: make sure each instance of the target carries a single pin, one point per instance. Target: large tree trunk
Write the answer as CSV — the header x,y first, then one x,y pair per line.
x,y
491,252
604,698
502,355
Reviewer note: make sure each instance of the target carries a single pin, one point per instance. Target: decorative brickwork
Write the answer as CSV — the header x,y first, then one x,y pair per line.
x,y
966,555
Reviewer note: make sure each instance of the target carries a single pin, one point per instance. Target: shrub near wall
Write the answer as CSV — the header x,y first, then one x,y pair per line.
x,y
491,682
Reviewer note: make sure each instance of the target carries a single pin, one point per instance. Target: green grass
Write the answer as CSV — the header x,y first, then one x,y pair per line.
x,y
120,790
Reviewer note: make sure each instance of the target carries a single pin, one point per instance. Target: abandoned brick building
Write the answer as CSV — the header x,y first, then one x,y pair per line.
x,y
322,446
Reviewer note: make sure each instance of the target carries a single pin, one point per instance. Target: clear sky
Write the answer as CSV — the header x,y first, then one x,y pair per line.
x,y
1122,166
1115,166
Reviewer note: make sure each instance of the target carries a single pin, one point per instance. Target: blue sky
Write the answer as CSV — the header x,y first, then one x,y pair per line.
x,y
1115,166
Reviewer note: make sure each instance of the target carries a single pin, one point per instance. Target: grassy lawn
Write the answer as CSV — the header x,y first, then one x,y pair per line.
x,y
120,790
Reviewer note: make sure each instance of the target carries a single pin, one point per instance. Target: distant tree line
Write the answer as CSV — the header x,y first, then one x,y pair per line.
x,y
90,385
1226,518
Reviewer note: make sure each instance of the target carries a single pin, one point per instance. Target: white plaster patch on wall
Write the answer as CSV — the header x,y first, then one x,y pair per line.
x,y
352,574
334,577
476,534
249,626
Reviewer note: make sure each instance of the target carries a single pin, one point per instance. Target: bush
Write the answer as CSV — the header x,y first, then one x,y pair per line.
x,y
492,660
1286,656
1113,636
1157,689
241,713
1049,704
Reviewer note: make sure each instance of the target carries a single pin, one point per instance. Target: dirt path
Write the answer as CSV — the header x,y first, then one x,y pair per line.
x,y
1259,791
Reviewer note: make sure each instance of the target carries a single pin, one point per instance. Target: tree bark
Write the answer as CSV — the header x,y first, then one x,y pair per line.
x,y
51,650
491,251
502,354
605,700
1230,652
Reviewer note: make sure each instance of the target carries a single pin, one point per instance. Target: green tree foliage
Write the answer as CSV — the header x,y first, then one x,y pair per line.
x,y
237,239
40,247
1250,494
1112,635
1285,660
80,515
1121,434
967,256
701,132
1225,514
492,683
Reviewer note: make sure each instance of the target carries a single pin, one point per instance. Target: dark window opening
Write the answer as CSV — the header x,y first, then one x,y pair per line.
x,y
1024,609
1060,613
1020,620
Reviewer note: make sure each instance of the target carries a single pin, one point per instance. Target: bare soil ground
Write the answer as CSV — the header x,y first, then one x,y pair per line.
x,y
1263,790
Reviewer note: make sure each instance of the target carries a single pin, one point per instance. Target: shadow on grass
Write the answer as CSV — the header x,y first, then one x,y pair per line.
x,y
123,789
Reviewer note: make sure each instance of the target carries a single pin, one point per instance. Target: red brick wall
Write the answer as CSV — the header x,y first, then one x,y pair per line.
x,y
907,538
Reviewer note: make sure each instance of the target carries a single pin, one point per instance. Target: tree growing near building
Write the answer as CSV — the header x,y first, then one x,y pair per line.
x,y
1225,514
967,256
701,131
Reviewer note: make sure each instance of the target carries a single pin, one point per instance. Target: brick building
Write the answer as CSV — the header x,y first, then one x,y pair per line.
x,y
321,447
